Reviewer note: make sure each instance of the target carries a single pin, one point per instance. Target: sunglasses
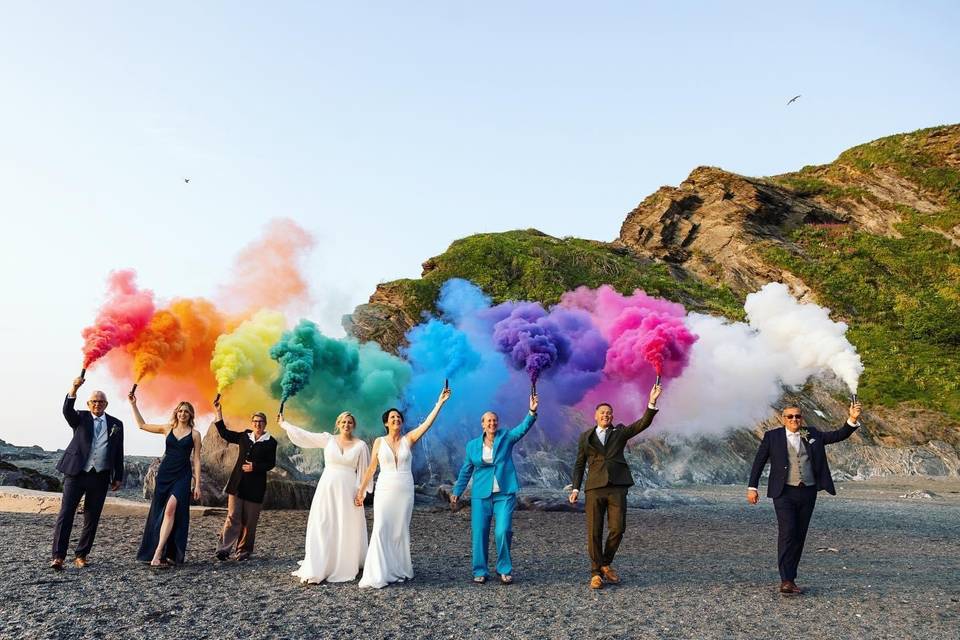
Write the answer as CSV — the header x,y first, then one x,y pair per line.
x,y
791,416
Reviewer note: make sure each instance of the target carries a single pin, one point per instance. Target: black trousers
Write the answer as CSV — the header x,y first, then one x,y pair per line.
x,y
794,508
612,502
93,485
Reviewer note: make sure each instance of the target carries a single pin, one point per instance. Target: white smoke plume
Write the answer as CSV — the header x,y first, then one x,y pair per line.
x,y
737,371
805,331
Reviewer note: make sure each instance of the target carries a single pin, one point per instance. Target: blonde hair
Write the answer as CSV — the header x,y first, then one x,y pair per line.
x,y
193,414
343,416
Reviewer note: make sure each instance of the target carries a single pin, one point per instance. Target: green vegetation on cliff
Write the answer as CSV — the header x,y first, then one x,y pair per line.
x,y
900,294
529,265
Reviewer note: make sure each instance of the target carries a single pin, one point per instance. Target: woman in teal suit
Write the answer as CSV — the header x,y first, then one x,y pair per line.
x,y
489,462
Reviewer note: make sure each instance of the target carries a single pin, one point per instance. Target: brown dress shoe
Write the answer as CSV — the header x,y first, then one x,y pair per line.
x,y
789,587
609,575
80,562
596,582
57,564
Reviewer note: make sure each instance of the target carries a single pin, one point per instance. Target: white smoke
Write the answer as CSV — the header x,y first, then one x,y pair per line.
x,y
737,371
804,331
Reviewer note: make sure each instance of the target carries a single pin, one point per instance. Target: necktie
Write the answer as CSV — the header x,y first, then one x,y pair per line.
x,y
98,428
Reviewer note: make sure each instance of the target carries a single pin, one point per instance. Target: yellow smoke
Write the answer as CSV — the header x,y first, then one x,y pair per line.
x,y
242,365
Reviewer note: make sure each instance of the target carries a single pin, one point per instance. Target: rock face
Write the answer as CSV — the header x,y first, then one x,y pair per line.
x,y
14,476
385,318
287,486
715,223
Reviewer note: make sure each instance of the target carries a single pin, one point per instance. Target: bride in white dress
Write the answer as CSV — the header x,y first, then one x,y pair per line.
x,y
337,528
388,558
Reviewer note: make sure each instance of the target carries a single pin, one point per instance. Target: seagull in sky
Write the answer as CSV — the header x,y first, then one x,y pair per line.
x,y
186,180
793,99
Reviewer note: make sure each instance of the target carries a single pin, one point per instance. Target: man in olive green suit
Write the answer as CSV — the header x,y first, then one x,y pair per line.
x,y
600,450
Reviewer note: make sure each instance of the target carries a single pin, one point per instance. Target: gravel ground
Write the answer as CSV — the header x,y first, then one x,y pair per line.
x,y
704,571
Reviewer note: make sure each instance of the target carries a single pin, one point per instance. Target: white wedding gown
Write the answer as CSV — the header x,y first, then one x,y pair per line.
x,y
388,558
336,529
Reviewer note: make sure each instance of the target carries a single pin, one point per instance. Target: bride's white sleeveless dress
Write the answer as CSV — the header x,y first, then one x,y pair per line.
x,y
336,540
388,557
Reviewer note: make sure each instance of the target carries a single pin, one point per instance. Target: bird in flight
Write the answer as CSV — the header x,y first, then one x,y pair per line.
x,y
793,99
186,180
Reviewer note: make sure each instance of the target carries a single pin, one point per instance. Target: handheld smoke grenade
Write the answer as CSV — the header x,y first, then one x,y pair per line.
x,y
658,380
533,388
446,383
282,402
217,399
134,390
853,398
83,373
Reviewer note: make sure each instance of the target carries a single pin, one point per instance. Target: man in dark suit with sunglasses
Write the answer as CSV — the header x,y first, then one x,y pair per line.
x,y
798,470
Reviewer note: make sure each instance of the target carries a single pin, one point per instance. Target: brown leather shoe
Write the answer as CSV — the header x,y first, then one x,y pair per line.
x,y
609,575
596,582
789,587
57,564
80,562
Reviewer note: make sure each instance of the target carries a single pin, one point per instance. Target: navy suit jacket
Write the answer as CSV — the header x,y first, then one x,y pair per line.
x,y
78,451
773,447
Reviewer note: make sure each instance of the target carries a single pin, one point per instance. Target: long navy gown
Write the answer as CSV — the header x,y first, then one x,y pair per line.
x,y
173,479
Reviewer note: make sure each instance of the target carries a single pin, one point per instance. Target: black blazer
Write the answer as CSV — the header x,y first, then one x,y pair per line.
x,y
773,447
606,464
249,486
75,457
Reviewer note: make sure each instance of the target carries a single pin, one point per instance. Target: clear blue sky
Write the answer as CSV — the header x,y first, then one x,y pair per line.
x,y
391,129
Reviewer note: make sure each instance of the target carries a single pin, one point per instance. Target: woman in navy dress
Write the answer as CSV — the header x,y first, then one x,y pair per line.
x,y
165,533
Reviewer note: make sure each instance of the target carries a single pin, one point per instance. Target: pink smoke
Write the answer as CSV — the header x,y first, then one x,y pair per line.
x,y
123,316
647,337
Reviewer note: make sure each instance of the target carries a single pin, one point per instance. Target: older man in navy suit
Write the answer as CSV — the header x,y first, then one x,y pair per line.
x,y
92,463
798,470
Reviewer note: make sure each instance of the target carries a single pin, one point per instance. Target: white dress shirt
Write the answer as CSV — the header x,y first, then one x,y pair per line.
x,y
793,439
602,435
487,457
263,438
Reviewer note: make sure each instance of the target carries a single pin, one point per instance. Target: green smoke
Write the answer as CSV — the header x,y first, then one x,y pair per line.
x,y
322,376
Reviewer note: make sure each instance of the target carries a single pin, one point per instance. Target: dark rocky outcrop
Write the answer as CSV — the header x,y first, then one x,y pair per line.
x,y
13,476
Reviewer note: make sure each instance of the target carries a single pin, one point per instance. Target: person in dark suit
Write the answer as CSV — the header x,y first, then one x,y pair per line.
x,y
600,450
92,463
247,484
798,470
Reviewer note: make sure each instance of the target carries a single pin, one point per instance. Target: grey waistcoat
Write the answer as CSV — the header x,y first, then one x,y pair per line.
x,y
799,468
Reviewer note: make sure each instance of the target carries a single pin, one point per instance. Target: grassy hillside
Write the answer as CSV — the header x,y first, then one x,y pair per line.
x,y
901,295
530,265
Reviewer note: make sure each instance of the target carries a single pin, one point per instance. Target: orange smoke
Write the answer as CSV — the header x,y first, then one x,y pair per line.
x,y
174,353
267,272
159,341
